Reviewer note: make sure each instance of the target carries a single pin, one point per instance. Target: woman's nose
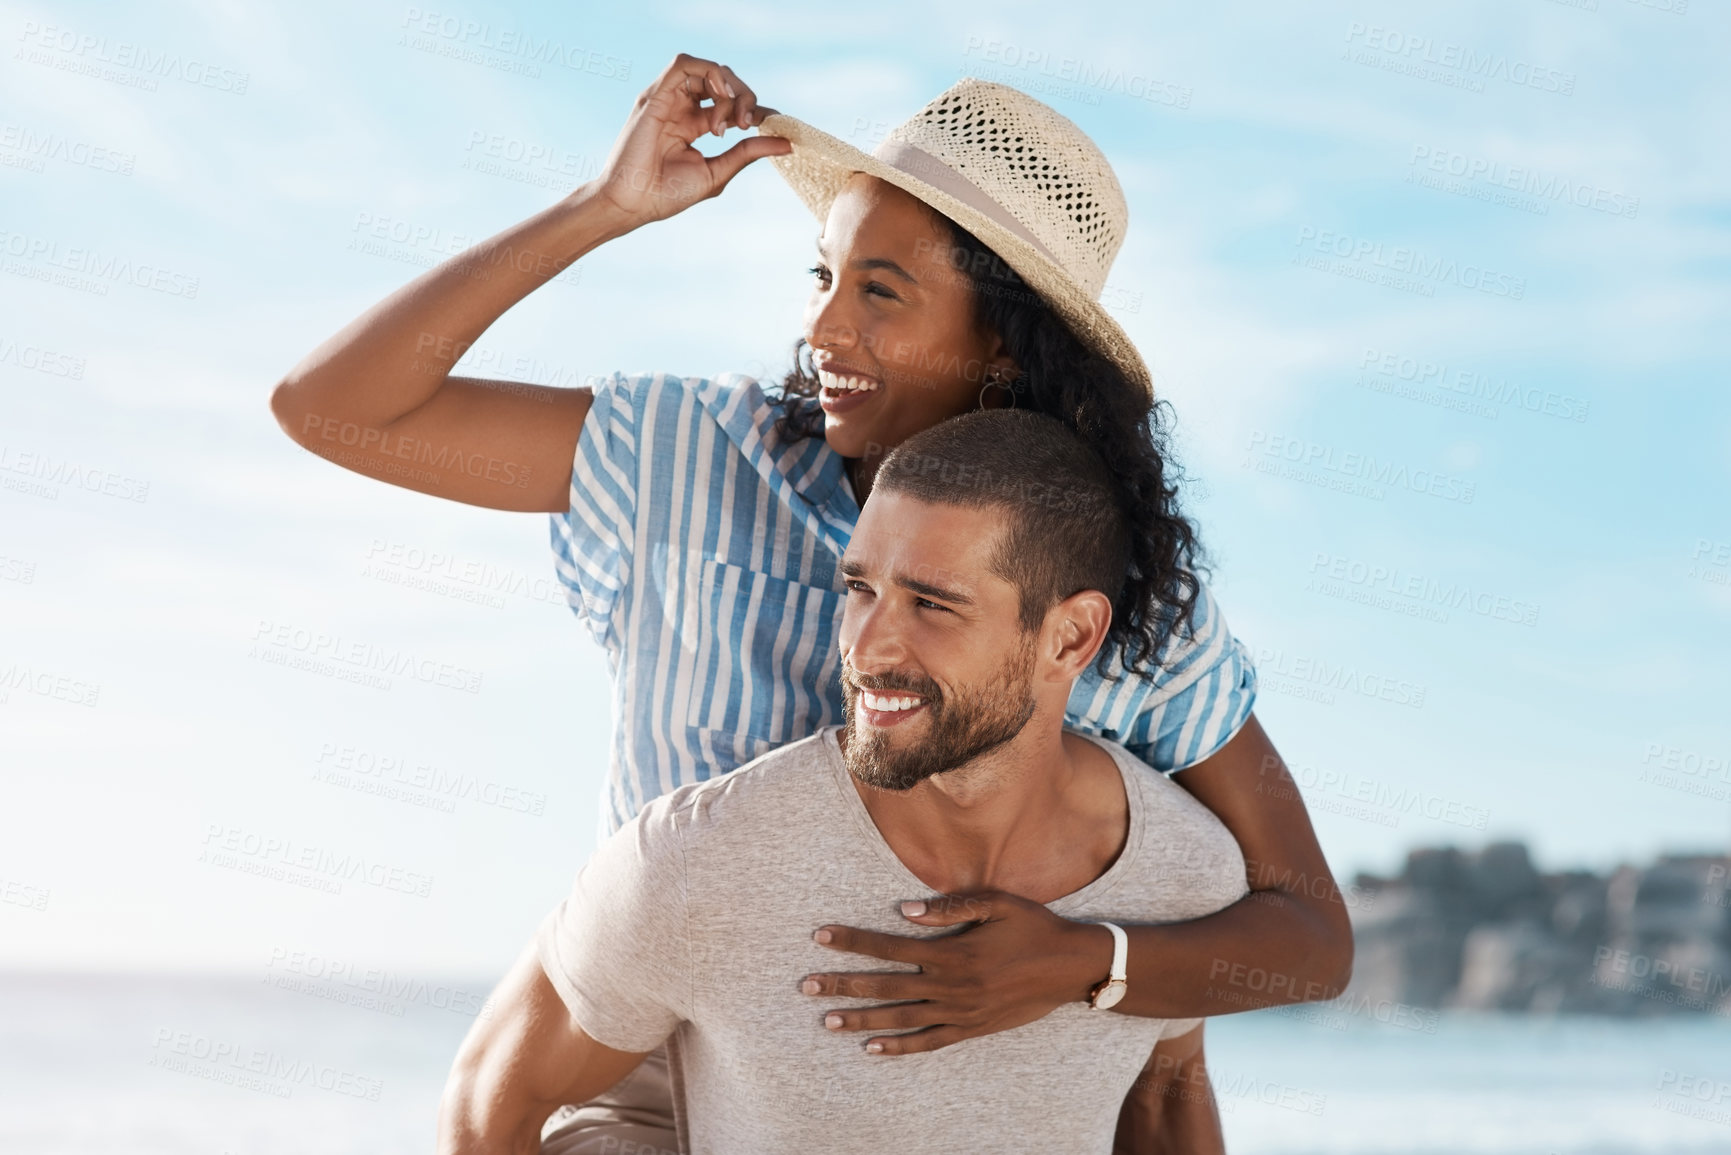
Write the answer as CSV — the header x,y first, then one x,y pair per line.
x,y
828,326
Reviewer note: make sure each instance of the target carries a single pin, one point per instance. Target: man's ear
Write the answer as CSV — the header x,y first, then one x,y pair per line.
x,y
1074,631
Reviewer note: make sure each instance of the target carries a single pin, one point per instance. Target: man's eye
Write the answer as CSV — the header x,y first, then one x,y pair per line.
x,y
929,605
854,585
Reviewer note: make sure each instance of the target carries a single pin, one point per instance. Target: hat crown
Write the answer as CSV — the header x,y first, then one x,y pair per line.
x,y
1033,162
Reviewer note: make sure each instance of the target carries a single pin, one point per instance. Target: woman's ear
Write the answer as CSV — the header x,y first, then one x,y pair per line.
x,y
998,357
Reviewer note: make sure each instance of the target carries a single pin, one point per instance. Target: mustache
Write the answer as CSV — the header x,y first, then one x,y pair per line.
x,y
920,687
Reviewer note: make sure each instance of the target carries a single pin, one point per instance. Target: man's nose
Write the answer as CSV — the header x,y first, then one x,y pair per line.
x,y
872,642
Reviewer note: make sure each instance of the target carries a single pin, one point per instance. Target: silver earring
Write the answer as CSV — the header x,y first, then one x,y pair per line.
x,y
996,378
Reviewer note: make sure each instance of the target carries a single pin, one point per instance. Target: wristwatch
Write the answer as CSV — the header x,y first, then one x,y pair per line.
x,y
1111,989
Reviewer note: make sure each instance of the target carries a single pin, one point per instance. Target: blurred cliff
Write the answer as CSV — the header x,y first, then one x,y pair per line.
x,y
1486,931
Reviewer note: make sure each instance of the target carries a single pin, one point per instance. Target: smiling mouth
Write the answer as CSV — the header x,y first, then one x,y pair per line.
x,y
889,703
881,709
846,384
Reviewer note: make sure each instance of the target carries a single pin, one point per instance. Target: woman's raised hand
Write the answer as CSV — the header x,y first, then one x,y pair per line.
x,y
653,170
380,396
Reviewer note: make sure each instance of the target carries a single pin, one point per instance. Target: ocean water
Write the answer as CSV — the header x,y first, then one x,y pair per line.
x,y
236,1066
1309,1082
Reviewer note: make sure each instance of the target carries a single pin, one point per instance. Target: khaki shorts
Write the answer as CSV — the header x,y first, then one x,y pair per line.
x,y
634,1117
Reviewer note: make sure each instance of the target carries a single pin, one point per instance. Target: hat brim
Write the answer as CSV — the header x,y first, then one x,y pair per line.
x,y
820,165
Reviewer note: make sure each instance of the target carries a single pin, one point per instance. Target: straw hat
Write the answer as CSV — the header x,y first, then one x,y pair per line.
x,y
1011,171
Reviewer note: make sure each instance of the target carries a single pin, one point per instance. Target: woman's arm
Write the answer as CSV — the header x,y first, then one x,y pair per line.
x,y
378,397
1288,941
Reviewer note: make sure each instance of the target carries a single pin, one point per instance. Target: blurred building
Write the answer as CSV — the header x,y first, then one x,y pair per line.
x,y
1485,930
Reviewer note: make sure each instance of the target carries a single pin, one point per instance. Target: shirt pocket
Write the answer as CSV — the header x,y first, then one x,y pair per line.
x,y
764,653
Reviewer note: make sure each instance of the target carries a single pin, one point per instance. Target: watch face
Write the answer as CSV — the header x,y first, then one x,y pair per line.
x,y
1109,995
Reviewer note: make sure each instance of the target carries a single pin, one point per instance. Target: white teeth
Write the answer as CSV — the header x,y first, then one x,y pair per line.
x,y
886,704
843,384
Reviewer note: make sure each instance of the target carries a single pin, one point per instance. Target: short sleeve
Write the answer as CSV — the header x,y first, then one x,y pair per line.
x,y
592,540
616,949
1172,1028
1213,691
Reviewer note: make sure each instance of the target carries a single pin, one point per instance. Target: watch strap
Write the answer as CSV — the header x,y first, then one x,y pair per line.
x,y
1120,953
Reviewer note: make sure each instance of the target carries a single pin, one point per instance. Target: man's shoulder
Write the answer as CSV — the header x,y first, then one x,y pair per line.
x,y
1153,785
785,785
1182,840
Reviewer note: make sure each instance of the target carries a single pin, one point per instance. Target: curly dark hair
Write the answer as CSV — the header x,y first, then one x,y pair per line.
x,y
1062,377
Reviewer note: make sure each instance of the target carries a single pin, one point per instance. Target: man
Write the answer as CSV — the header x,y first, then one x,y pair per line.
x,y
980,581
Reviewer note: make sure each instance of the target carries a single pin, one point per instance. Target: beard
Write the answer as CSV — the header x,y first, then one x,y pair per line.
x,y
960,729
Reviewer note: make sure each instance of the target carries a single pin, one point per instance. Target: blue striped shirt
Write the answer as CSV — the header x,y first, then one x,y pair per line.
x,y
701,549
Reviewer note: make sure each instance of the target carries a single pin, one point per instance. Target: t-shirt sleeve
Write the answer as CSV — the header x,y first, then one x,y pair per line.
x,y
616,949
592,540
1172,1028
1216,691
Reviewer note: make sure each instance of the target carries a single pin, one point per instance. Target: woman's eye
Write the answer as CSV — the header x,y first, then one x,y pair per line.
x,y
880,290
819,272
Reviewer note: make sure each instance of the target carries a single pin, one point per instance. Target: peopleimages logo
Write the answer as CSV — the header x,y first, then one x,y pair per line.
x,y
1525,179
338,980
86,52
1021,64
320,867
1473,386
103,267
1467,65
40,360
1412,263
1422,588
275,642
434,30
45,467
1352,469
1317,679
255,1068
47,146
1397,800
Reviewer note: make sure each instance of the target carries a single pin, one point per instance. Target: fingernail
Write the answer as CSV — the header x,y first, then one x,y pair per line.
x,y
913,909
729,88
832,1021
821,936
810,987
875,1047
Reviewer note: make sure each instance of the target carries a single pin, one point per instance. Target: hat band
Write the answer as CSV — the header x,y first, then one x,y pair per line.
x,y
918,163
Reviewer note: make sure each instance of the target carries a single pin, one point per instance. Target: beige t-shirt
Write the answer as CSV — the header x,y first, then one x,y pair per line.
x,y
695,919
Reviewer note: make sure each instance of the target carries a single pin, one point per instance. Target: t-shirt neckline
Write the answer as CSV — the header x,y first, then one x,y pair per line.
x,y
1120,868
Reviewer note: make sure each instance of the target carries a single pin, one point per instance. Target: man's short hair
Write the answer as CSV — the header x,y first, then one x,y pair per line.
x,y
1066,532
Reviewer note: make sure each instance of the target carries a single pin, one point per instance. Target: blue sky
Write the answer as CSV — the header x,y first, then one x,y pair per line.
x,y
1438,295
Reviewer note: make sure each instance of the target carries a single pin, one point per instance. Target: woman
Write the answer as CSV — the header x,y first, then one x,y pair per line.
x,y
697,524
